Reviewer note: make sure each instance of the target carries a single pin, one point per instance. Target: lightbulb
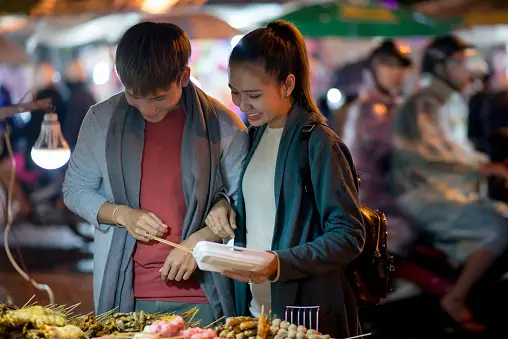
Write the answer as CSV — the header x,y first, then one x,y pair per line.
x,y
334,98
50,151
101,73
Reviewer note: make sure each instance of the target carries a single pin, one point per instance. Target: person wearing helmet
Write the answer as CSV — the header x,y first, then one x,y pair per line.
x,y
368,132
436,172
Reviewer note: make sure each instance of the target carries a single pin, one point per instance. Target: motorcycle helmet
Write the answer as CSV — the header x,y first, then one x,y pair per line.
x,y
444,49
440,50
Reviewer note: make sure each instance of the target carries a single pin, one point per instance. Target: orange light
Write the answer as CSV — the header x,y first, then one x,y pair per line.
x,y
157,6
380,110
404,49
12,23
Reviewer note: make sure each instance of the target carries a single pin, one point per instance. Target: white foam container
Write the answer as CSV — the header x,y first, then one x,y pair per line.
x,y
215,257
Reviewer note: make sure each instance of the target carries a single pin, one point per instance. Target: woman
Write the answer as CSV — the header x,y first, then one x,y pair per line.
x,y
310,236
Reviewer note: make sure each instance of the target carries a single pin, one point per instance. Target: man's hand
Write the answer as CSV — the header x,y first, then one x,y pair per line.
x,y
180,264
258,277
222,220
140,224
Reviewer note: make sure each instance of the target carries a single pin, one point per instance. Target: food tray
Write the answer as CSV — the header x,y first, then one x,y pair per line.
x,y
216,257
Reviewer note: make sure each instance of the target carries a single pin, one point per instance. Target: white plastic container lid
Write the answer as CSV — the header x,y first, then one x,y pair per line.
x,y
216,257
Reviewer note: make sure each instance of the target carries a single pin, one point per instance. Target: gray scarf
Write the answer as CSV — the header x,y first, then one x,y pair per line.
x,y
200,156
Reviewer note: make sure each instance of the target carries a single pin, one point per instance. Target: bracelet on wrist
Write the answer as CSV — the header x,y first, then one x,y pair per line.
x,y
114,216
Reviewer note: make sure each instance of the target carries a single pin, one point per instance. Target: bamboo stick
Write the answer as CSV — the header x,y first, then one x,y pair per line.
x,y
197,310
175,245
28,302
360,336
215,322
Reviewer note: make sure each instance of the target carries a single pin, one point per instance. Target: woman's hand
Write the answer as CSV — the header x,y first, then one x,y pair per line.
x,y
258,277
222,220
140,224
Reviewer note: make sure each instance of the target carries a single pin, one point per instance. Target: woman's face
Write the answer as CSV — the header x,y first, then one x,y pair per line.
x,y
391,77
259,95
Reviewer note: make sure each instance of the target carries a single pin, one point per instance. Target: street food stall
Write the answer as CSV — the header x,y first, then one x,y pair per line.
x,y
34,321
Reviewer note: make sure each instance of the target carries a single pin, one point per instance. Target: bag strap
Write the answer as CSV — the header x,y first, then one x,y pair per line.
x,y
304,157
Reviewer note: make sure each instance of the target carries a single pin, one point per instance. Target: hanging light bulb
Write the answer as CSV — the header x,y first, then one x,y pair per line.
x,y
51,151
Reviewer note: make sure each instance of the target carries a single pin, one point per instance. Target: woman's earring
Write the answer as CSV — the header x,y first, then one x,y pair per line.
x,y
287,95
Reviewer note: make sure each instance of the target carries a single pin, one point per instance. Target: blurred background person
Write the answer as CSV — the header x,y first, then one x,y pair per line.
x,y
368,132
488,118
436,170
348,81
79,101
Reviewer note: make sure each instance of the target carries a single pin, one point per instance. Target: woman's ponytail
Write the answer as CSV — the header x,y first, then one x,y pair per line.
x,y
302,92
281,49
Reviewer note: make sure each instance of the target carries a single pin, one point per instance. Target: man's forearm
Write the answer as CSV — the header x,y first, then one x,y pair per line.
x,y
112,214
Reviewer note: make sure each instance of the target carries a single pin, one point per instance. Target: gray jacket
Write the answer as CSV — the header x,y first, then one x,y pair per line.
x,y
108,155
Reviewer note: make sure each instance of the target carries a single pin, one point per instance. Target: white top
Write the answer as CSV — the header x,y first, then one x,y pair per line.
x,y
259,197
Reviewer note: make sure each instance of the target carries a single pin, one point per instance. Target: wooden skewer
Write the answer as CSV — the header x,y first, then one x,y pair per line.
x,y
194,314
360,336
195,324
215,322
28,302
72,308
188,313
180,247
80,316
106,315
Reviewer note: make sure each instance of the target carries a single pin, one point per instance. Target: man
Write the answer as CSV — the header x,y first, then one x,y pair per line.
x,y
368,133
152,161
488,118
436,171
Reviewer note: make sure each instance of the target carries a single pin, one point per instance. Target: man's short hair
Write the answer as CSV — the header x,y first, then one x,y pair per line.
x,y
151,56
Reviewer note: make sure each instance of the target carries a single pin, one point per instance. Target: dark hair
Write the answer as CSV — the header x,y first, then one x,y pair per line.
x,y
390,53
151,56
281,50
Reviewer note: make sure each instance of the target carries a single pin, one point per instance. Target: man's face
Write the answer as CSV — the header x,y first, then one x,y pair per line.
x,y
458,70
154,108
391,77
390,72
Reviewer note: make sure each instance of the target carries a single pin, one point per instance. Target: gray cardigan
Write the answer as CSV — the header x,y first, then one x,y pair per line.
x,y
98,174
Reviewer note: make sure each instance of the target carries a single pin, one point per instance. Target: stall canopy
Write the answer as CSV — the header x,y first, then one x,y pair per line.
x,y
198,25
66,7
358,21
67,32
